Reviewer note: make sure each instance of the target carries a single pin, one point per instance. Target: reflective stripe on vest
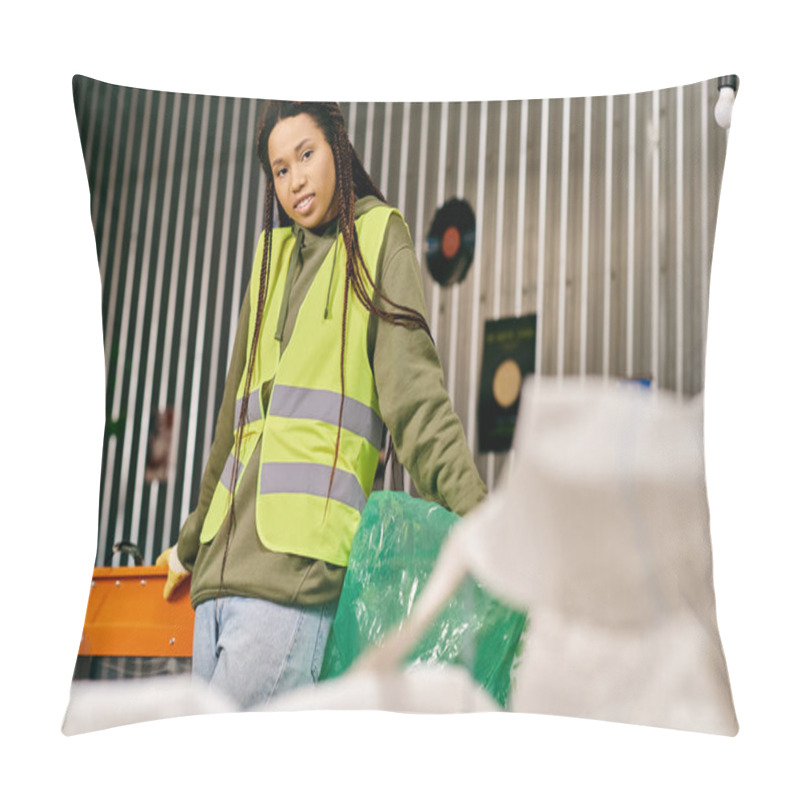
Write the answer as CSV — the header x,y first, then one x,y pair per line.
x,y
313,479
253,413
323,405
226,478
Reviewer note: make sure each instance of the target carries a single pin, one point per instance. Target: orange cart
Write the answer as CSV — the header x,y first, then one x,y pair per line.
x,y
128,616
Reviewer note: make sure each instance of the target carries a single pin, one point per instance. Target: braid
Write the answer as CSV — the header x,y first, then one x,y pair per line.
x,y
263,285
341,401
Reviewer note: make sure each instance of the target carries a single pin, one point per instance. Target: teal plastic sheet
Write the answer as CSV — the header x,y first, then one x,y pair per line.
x,y
393,554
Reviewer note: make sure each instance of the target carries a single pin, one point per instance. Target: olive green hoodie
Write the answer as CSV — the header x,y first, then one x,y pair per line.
x,y
414,404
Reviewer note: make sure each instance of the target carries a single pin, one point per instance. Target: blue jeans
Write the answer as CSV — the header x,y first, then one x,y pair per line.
x,y
253,649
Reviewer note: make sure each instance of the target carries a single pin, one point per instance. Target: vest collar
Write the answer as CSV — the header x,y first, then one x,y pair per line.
x,y
311,237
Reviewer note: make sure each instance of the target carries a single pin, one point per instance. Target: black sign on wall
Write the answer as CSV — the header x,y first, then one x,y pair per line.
x,y
509,354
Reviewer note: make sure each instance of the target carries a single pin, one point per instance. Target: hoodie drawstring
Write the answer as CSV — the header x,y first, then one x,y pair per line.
x,y
291,272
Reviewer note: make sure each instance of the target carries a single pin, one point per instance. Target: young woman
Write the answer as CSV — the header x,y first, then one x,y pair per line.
x,y
332,344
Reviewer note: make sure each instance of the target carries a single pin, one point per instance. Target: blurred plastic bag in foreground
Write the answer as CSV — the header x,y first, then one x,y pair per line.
x,y
600,527
393,553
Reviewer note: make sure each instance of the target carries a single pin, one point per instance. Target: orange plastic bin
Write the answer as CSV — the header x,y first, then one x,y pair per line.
x,y
128,616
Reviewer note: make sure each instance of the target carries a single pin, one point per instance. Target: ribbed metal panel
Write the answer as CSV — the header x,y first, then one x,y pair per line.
x,y
598,214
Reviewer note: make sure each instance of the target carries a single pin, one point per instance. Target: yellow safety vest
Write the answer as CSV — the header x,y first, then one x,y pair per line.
x,y
298,430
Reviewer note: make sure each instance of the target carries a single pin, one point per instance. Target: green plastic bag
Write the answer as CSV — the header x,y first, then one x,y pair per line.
x,y
393,554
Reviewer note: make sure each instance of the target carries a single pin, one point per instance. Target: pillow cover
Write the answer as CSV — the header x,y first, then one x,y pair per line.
x,y
594,218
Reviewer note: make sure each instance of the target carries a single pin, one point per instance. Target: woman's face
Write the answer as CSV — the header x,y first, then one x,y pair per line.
x,y
303,170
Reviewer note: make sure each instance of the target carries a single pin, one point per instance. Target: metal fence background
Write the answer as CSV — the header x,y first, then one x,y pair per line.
x,y
596,213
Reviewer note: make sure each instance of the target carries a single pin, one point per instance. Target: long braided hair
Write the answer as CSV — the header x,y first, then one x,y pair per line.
x,y
352,183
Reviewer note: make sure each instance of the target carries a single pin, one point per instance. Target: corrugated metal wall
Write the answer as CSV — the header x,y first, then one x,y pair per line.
x,y
598,214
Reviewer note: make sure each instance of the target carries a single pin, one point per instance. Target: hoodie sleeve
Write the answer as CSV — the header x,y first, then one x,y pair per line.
x,y
414,403
189,537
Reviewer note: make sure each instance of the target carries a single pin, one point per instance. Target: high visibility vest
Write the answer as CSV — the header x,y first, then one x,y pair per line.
x,y
298,429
